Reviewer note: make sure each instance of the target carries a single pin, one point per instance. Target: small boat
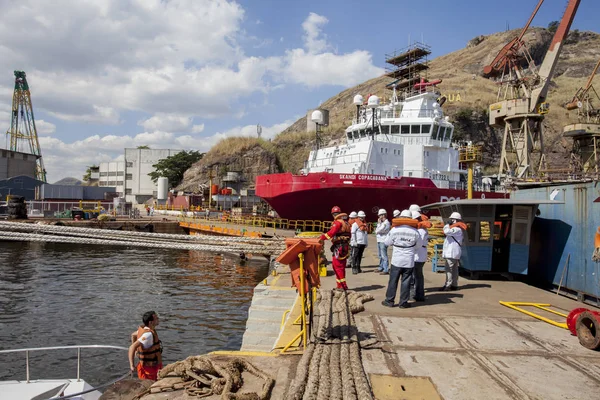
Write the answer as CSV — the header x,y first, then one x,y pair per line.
x,y
53,389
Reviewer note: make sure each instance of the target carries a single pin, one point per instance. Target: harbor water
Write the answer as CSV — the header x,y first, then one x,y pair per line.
x,y
59,294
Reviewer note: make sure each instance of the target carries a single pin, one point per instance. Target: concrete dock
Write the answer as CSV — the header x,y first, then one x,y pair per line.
x,y
456,345
464,344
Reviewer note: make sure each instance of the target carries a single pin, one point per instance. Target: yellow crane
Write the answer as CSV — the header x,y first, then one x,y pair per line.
x,y
22,132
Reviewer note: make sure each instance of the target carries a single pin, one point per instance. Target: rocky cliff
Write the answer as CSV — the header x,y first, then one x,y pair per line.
x,y
468,92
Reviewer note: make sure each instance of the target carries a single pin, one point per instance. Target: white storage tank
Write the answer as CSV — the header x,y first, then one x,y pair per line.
x,y
163,188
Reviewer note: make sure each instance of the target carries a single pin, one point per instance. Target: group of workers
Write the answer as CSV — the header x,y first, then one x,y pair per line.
x,y
408,235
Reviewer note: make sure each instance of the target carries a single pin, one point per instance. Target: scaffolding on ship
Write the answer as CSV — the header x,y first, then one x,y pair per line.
x,y
408,66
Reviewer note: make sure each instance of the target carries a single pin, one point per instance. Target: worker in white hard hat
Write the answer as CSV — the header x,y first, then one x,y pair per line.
x,y
414,207
417,287
381,232
359,235
406,240
352,217
396,213
454,231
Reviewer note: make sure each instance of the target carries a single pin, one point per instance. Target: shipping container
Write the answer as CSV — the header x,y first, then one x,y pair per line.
x,y
562,238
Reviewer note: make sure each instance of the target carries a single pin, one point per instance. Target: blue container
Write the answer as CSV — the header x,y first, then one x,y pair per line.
x,y
566,231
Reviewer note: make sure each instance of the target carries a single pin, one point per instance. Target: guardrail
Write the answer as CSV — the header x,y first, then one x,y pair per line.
x,y
265,222
28,350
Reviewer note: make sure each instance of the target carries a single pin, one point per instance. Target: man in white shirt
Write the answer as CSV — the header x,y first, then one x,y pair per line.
x,y
381,232
417,290
359,237
406,240
148,347
452,250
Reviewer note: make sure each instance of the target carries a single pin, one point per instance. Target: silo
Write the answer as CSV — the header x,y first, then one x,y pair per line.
x,y
163,188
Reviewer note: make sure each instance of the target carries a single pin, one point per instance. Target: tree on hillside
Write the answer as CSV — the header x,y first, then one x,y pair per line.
x,y
552,26
174,166
88,173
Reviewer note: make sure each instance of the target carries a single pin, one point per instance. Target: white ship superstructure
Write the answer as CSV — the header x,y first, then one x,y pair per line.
x,y
407,138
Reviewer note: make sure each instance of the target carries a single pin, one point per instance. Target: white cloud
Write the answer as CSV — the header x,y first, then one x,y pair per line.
x,y
179,62
313,26
198,128
44,128
330,69
167,122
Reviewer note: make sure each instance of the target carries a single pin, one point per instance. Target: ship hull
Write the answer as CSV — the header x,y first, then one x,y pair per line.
x,y
311,196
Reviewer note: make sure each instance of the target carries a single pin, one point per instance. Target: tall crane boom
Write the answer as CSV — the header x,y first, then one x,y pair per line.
x,y
539,93
508,57
23,132
522,108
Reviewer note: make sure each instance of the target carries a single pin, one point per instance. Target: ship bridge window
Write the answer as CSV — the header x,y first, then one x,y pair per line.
x,y
425,128
415,129
349,134
440,135
451,130
385,129
395,129
355,134
362,133
405,129
434,132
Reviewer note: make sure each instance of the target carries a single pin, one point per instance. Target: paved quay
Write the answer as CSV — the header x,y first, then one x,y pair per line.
x,y
456,345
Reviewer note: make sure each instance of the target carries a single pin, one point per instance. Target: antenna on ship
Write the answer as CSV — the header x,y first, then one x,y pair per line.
x,y
373,103
317,118
358,101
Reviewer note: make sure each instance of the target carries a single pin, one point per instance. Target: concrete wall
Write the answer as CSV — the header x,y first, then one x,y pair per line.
x,y
113,174
13,163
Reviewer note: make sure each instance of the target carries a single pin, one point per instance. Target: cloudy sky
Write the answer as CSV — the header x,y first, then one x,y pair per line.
x,y
110,74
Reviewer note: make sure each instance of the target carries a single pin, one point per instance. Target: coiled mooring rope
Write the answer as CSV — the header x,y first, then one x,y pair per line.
x,y
331,366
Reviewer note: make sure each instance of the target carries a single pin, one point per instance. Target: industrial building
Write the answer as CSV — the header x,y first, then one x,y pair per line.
x,y
15,163
130,177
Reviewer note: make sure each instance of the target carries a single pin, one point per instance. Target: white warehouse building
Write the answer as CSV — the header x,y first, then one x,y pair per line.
x,y
130,177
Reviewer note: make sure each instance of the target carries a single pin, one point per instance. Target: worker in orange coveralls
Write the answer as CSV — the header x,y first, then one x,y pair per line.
x,y
339,234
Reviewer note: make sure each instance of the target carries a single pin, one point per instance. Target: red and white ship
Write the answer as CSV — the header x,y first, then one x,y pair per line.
x,y
395,155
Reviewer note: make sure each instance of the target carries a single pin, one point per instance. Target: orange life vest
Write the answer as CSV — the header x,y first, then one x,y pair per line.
x,y
361,224
151,356
405,221
343,235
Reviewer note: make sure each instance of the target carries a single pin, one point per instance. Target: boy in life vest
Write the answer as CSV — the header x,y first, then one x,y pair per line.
x,y
339,234
148,347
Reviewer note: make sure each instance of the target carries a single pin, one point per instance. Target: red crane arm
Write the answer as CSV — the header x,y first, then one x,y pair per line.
x,y
538,94
510,49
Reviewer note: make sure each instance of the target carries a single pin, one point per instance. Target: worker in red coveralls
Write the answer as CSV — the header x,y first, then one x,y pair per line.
x,y
339,234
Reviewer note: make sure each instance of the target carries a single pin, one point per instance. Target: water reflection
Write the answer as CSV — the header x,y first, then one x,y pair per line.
x,y
56,294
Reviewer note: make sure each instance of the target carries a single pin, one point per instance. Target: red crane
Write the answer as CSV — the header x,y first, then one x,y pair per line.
x,y
523,107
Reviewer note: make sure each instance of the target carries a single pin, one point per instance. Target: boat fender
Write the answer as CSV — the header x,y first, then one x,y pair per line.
x,y
405,221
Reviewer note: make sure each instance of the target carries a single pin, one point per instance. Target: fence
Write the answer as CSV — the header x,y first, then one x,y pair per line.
x,y
264,222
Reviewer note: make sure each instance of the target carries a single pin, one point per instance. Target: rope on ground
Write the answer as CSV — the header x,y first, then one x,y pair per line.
x,y
201,376
331,366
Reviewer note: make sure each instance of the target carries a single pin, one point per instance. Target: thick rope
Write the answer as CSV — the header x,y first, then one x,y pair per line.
x,y
202,376
231,248
331,366
27,227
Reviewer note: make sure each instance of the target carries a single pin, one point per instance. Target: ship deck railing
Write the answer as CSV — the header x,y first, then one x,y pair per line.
x,y
27,351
